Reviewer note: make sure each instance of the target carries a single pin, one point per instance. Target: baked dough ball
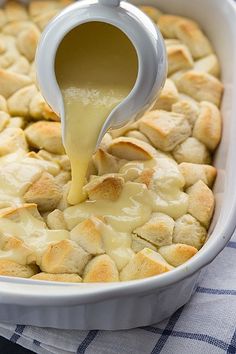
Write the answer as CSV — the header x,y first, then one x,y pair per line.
x,y
179,58
27,42
209,65
101,269
188,32
207,128
16,122
131,149
138,244
144,264
45,192
193,151
18,103
177,254
15,11
45,135
4,120
168,96
137,135
165,129
116,133
158,230
189,231
200,85
201,202
11,82
105,162
152,12
65,278
195,172
12,139
13,269
107,187
56,221
88,235
3,104
188,107
43,11
64,257
39,109
13,249
21,66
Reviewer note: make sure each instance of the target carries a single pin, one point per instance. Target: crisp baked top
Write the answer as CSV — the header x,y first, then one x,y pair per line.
x,y
149,200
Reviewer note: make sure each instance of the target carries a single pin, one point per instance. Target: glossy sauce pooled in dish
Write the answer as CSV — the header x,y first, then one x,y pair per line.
x,y
96,68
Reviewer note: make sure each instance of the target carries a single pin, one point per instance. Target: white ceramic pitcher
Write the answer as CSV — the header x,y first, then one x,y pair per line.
x,y
140,30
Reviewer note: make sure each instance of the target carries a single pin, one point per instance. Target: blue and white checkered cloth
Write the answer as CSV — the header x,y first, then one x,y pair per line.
x,y
207,324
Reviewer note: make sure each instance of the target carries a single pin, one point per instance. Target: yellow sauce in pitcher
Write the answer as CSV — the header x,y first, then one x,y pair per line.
x,y
96,68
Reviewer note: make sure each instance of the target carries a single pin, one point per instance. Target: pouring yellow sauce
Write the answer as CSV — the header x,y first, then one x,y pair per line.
x,y
96,68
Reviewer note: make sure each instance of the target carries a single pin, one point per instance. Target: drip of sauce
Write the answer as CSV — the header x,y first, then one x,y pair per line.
x,y
96,68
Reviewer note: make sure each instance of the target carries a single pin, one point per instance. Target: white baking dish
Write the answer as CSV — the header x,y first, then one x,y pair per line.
x,y
143,302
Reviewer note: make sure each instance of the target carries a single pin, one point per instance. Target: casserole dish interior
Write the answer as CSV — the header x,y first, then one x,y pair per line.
x,y
19,291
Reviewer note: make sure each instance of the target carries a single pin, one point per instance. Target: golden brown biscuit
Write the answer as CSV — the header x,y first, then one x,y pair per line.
x,y
158,230
189,231
15,11
179,58
209,65
201,202
189,108
168,96
152,12
63,178
131,149
12,139
4,120
21,66
15,250
201,86
15,213
193,151
66,278
18,103
193,173
3,104
11,82
16,122
88,235
64,257
56,221
137,135
144,264
15,27
45,135
27,42
138,244
188,32
177,254
40,109
45,192
207,128
106,163
107,187
116,133
101,269
165,129
13,269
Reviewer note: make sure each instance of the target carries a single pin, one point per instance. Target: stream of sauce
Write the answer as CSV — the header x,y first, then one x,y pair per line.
x,y
96,68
